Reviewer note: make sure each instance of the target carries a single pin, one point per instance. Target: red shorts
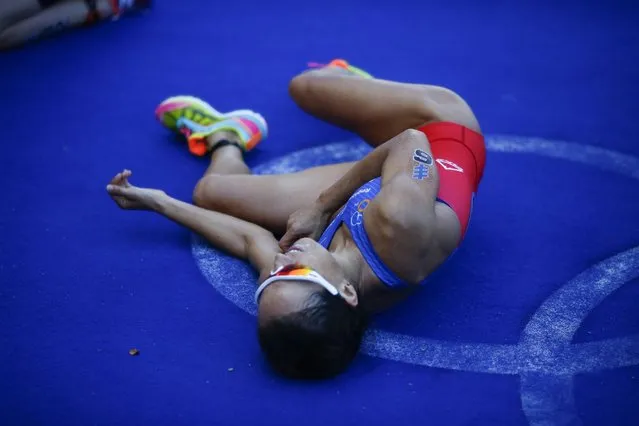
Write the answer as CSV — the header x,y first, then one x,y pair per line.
x,y
460,154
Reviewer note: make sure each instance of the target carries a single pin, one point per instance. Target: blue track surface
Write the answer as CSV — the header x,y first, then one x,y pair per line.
x,y
82,282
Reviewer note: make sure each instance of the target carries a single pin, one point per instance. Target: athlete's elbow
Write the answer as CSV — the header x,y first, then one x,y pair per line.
x,y
410,138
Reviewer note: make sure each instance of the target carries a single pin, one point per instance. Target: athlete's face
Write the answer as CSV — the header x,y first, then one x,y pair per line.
x,y
283,297
308,252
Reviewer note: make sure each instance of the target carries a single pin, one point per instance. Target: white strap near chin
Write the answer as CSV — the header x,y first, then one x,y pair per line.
x,y
313,277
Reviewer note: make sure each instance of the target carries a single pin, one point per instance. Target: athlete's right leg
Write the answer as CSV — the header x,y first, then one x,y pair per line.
x,y
227,185
266,200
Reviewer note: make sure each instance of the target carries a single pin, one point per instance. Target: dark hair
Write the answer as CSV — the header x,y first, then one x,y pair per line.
x,y
317,342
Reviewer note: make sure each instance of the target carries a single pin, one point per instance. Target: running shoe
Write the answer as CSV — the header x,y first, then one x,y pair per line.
x,y
196,120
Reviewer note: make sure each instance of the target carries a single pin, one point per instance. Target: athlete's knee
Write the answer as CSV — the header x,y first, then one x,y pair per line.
x,y
299,85
302,85
410,136
205,192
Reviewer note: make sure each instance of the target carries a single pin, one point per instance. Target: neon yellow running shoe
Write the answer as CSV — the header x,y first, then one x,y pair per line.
x,y
196,119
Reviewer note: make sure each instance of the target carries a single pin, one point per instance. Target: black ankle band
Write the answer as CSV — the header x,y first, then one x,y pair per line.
x,y
225,142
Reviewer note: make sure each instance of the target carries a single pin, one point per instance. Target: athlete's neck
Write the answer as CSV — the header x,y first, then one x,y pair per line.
x,y
347,254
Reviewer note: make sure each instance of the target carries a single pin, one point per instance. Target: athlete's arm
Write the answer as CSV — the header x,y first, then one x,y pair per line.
x,y
401,220
405,162
408,176
235,236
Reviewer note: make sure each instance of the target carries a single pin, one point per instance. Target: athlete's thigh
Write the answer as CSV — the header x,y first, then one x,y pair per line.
x,y
377,110
266,200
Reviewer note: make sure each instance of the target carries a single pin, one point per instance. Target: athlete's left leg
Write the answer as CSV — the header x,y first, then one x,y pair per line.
x,y
376,110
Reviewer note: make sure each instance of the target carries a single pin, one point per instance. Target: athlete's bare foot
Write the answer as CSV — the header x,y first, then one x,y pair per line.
x,y
131,197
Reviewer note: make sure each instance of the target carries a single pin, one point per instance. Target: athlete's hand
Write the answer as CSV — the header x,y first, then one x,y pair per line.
x,y
131,197
307,222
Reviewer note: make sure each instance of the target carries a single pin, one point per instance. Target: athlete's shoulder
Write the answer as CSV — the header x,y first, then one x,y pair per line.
x,y
405,237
